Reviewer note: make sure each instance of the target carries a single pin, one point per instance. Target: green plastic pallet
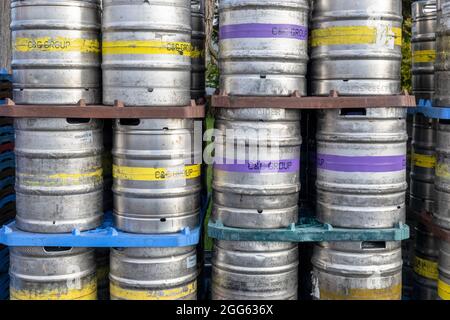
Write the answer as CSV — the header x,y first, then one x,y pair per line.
x,y
308,230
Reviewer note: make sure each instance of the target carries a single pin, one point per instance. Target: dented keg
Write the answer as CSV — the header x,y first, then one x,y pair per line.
x,y
263,46
357,271
44,273
153,274
59,180
254,270
256,178
356,47
156,179
423,48
147,52
361,167
56,51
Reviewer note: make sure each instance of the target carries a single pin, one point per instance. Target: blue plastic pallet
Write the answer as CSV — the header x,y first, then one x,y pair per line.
x,y
426,108
8,129
8,155
308,230
8,181
5,76
5,200
105,236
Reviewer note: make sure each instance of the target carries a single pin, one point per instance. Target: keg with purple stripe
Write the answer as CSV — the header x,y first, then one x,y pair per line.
x,y
257,167
263,46
361,167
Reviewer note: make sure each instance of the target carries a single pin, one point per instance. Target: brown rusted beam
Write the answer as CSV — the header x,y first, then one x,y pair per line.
x,y
334,101
426,218
118,111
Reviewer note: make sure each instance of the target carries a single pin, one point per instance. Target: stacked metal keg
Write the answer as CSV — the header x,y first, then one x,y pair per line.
x,y
256,180
441,210
7,178
423,157
59,184
147,56
361,153
198,49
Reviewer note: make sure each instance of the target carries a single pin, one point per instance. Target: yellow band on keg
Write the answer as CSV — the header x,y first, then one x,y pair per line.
x,y
391,293
424,161
426,268
77,176
88,292
155,174
424,56
197,53
56,44
352,35
147,47
168,294
442,170
443,290
58,178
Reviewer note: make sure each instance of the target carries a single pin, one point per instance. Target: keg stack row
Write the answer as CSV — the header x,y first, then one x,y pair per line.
x,y
71,171
429,187
355,50
7,199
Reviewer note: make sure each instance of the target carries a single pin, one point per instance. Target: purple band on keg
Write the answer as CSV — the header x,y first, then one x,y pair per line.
x,y
263,30
258,166
361,164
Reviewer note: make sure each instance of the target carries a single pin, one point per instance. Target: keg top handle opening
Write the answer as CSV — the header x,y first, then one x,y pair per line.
x,y
295,101
196,110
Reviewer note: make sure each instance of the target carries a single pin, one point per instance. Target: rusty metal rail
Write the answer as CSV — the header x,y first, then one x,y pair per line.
x,y
333,101
118,111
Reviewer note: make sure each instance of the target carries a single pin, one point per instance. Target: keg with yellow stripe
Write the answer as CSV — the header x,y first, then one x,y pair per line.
x,y
56,51
357,271
425,264
147,52
441,213
423,163
198,49
156,175
423,48
356,47
59,179
43,273
444,271
154,274
442,65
